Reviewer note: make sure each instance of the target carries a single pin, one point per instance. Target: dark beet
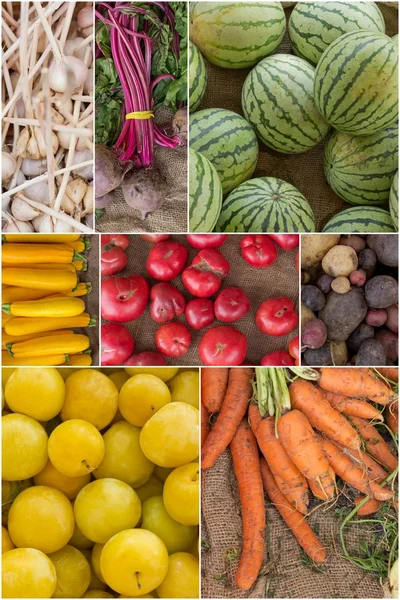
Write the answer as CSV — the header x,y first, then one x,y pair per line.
x,y
109,171
105,200
145,189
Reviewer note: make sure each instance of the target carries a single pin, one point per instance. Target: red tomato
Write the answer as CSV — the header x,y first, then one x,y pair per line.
x,y
116,344
166,302
223,346
173,339
113,257
280,358
166,260
287,241
203,277
200,313
155,237
146,359
294,347
297,261
276,317
124,299
206,240
231,305
258,250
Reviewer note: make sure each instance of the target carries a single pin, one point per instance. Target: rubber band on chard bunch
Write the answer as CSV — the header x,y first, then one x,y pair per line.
x,y
140,65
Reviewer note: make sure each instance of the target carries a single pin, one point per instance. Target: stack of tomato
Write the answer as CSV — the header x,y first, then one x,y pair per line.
x,y
125,299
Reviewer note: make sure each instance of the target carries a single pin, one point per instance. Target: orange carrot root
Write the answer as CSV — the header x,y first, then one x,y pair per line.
x,y
246,463
308,399
369,508
391,373
213,387
205,423
236,401
358,383
367,464
316,489
302,445
353,407
297,523
375,444
392,417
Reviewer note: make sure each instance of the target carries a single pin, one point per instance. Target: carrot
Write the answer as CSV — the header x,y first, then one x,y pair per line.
x,y
345,468
308,399
205,423
246,463
290,481
297,523
375,444
352,406
369,508
302,445
392,417
213,388
316,489
363,460
233,409
391,373
360,383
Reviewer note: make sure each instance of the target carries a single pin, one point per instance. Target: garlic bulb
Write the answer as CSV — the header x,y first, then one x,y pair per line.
x,y
85,17
70,49
15,226
88,200
8,166
69,74
31,144
76,190
82,156
65,139
88,85
43,224
33,168
62,226
68,205
87,31
63,103
39,192
22,211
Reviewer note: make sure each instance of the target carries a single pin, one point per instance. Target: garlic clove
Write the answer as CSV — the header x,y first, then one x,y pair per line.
x,y
33,168
76,190
22,211
8,166
43,224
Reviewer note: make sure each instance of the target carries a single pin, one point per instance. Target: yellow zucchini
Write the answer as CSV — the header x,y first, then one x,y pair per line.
x,y
83,288
50,345
25,325
48,267
41,238
40,279
10,339
18,294
46,307
5,319
80,265
33,361
14,254
80,245
79,360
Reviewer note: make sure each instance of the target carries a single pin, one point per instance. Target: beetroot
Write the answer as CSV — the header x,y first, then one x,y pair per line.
x,y
145,189
109,171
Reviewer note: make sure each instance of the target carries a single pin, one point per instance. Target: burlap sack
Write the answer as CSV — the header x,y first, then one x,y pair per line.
x,y
304,171
281,279
286,572
92,299
172,216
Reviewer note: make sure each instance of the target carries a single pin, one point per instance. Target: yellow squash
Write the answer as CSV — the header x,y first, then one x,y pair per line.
x,y
50,345
5,319
40,279
46,307
14,254
11,339
83,288
33,361
80,245
42,238
79,360
18,294
25,325
48,267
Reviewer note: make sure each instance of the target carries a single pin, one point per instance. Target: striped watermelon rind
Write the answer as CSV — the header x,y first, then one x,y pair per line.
x,y
197,77
229,143
360,219
360,169
355,86
313,26
236,35
394,201
205,194
266,204
278,101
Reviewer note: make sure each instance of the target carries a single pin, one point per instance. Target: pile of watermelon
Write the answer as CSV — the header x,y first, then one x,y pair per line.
x,y
340,85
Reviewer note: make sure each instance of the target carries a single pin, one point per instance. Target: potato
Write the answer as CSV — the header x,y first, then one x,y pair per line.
x,y
305,277
386,248
354,241
324,283
313,334
340,261
358,277
312,297
339,353
342,313
306,314
321,357
314,248
376,317
393,318
389,341
371,354
340,285
381,291
367,261
360,334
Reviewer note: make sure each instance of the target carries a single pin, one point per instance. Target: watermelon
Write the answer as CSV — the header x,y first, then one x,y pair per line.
x,y
197,77
355,86
236,35
360,219
278,101
266,204
394,201
313,26
360,169
229,143
205,193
